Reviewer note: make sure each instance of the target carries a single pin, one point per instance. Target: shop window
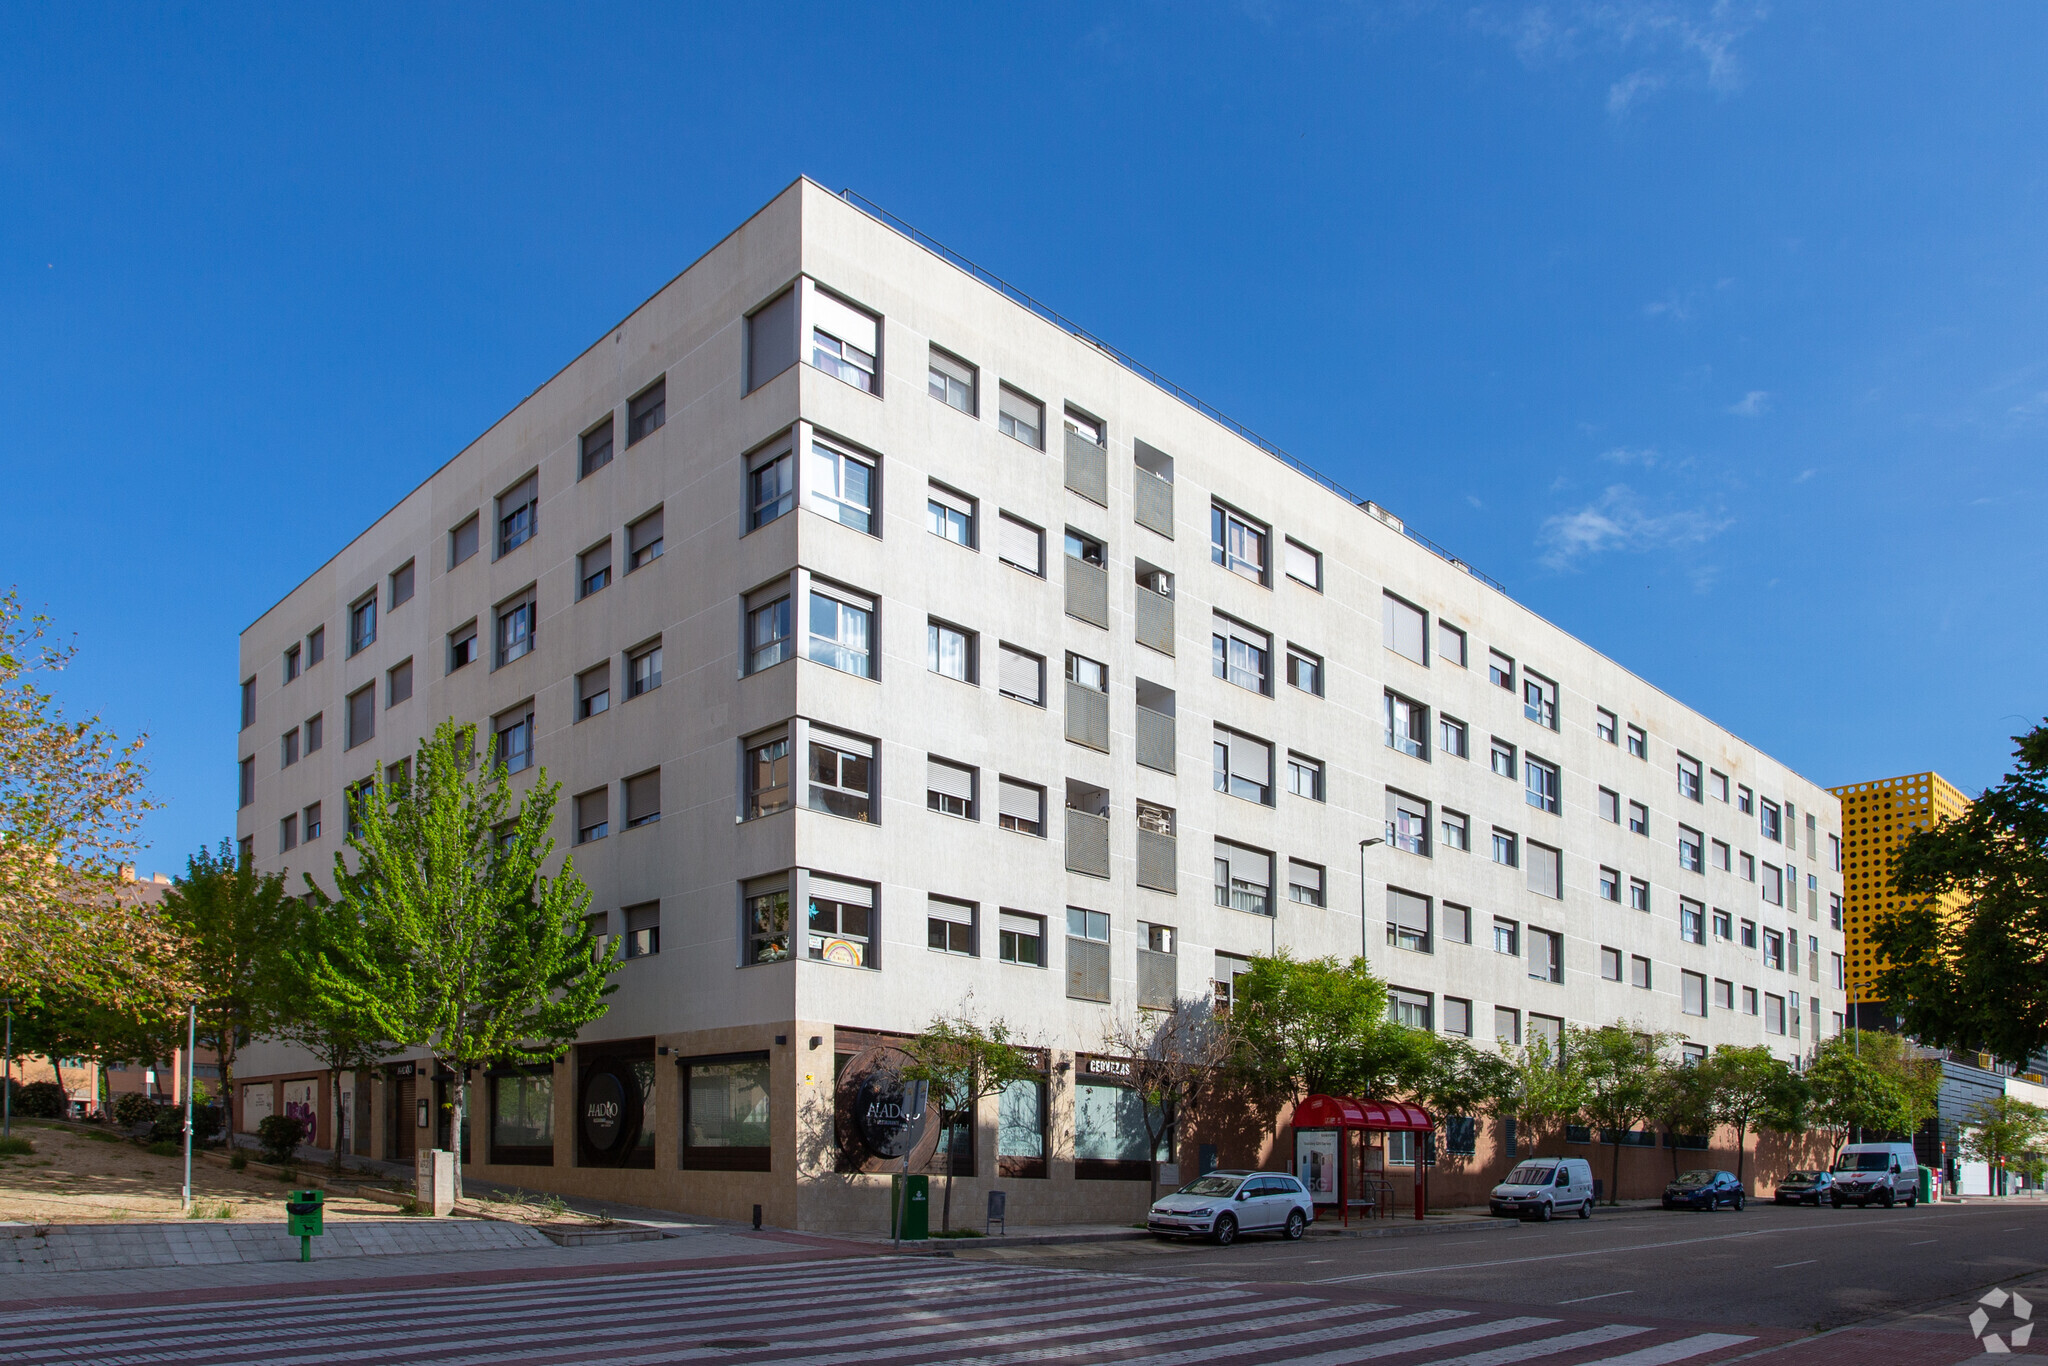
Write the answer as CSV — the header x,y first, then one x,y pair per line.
x,y
726,1114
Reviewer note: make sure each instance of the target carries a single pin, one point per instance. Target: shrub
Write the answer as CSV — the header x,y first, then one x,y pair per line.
x,y
238,1161
168,1123
132,1107
16,1147
280,1136
42,1100
166,1148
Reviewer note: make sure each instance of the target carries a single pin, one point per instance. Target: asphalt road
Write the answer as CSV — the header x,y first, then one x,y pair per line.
x,y
1781,1267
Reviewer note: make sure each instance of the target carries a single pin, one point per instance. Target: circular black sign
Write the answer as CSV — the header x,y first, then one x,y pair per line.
x,y
878,1110
604,1110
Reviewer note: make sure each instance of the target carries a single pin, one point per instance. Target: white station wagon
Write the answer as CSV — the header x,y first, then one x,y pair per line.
x,y
1223,1204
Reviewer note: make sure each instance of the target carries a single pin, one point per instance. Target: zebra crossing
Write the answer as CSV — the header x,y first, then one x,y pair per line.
x,y
837,1312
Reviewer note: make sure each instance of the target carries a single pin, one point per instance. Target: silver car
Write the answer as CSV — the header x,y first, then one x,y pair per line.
x,y
1223,1204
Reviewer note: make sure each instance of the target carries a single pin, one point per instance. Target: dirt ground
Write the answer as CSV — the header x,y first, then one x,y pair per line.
x,y
80,1177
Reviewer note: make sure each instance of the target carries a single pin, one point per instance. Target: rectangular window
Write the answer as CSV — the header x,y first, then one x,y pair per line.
x,y
771,339
1506,848
1507,1025
594,449
515,630
1020,416
1020,674
1724,994
950,516
1610,805
1304,565
1408,921
1542,791
1020,544
949,926
1774,1014
1638,819
1450,643
646,411
1546,955
1087,955
401,584
1456,830
1745,867
1692,854
1692,922
644,541
1244,878
767,923
841,485
842,922
1020,806
949,788
771,488
769,638
1610,964
1639,971
1500,670
1237,543
594,569
288,748
1021,939
1610,885
953,381
1724,924
949,651
1410,1008
643,799
1507,937
1242,655
842,632
1835,852
1606,724
1638,743
1458,1020
1503,758
1693,993
842,775
246,782
463,541
1407,823
398,683
1772,885
1717,783
845,341
248,703
362,625
1545,868
362,716
309,822
593,815
1724,859
1768,819
1749,1000
1243,766
1305,776
1745,800
1451,737
1304,882
643,671
767,776
292,666
1404,628
593,691
1407,728
1539,700
1689,784
512,738
1305,671
288,834
315,728
1749,934
1456,923
726,1114
1638,894
518,512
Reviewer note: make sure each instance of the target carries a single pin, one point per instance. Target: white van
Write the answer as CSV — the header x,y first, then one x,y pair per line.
x,y
1545,1186
1886,1173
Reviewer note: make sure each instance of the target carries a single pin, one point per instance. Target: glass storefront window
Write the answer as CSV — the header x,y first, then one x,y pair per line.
x,y
523,1119
1109,1124
725,1124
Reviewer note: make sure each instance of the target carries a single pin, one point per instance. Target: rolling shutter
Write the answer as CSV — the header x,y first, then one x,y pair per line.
x,y
949,780
1021,544
1021,801
1403,628
845,322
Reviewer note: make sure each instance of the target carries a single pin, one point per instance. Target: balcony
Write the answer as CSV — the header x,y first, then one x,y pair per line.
x,y
1152,503
1156,747
1155,620
1088,716
1088,592
1158,861
1087,469
1087,843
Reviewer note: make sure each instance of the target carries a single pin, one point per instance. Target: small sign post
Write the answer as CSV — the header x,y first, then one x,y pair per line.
x,y
914,1097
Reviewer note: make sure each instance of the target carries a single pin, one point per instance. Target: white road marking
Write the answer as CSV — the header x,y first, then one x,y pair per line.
x,y
1421,1342
1808,1262
1517,1261
1608,1296
1923,1242
1664,1352
1543,1347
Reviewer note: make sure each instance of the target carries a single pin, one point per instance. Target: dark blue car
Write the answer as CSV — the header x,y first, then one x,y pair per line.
x,y
1704,1190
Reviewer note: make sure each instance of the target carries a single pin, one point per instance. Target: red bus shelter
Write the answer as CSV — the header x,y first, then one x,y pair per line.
x,y
1345,1116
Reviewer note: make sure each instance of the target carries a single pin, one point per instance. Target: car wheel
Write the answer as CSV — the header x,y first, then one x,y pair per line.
x,y
1836,1201
1586,1208
1296,1225
1912,1199
1543,1212
1887,1198
1225,1232
1669,1205
1740,1201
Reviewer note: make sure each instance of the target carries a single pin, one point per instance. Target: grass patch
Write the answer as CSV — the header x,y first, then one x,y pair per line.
x,y
98,1136
16,1147
960,1233
202,1210
166,1148
238,1162
287,1176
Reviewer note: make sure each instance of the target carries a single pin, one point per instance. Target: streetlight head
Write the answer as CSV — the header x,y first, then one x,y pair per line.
x,y
1367,844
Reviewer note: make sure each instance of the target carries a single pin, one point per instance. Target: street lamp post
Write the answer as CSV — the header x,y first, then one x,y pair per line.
x,y
191,1044
1364,921
7,1082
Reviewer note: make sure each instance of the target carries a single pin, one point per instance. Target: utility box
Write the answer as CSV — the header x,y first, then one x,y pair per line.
x,y
1926,1191
434,1181
910,1202
304,1219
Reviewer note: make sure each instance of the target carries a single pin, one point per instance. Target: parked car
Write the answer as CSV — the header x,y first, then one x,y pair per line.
x,y
1705,1190
1539,1190
1884,1173
1804,1188
1223,1204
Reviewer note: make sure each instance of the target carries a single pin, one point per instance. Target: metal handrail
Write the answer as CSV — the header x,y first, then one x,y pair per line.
x,y
1142,371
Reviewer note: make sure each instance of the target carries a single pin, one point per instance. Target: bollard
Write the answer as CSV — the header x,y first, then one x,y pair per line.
x,y
757,1218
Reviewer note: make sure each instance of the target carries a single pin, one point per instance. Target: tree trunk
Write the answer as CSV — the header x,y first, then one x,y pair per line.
x,y
1741,1151
334,1117
459,1090
946,1203
1674,1152
1614,1173
63,1096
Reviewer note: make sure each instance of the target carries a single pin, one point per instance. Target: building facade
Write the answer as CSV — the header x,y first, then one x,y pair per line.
x,y
897,647
1876,819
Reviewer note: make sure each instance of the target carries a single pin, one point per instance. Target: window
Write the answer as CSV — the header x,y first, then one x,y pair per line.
x,y
1503,758
1244,766
1717,783
1768,819
949,788
398,683
1242,655
1304,566
1451,737
1774,1014
288,834
1539,700
1020,674
842,631
1020,806
1774,950
593,691
309,822
1244,878
1507,1025
1749,1000
1745,800
949,926
246,782
841,485
515,629
594,449
1237,543
401,584
1745,867
1693,993
771,488
1692,854
1724,924
644,541
845,341
1835,853
512,738
646,411
1410,1008
1087,702
1638,819
594,569
767,776
1500,670
1606,724
842,916
1087,955
1638,743
292,666
842,775
767,923
1724,859
1506,849
1749,934
1021,939
362,627
643,670
768,629
1546,955
1689,785
1407,823
593,815
1021,416
1089,429
1304,882
362,716
771,339
950,516
1456,830
1545,871
643,799
1407,727
1305,776
949,651
462,542
1639,971
1404,628
1458,1020
1507,937
315,727
1450,643
1692,922
1724,994
518,510
726,1114
1542,785
953,381
1408,921
1456,923
248,703
1772,885
1610,805
288,748
1638,894
1020,544
1305,671
1610,885
1610,964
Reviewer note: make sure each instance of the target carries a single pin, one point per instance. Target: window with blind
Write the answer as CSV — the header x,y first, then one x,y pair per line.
x,y
362,631
1242,655
1238,543
1457,1019
1021,674
1158,967
462,542
949,788
643,799
593,815
1020,544
846,341
594,449
643,930
842,485
950,516
841,922
1304,566
1455,924
1408,823
518,508
767,776
769,638
1545,869
1304,882
842,626
949,650
646,411
1020,806
1692,852
1087,955
1450,643
771,339
1243,766
512,738
398,683
771,486
1022,939
1546,955
1244,878
1404,628
515,634
1542,785
949,926
594,569
1021,416
1539,699
953,382
593,692
644,541
1410,1008
1407,728
1408,921
842,777
362,716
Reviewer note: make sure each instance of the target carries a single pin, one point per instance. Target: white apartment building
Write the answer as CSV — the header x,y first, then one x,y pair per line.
x,y
897,646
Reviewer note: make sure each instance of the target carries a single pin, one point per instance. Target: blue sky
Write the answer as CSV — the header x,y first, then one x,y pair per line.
x,y
1712,330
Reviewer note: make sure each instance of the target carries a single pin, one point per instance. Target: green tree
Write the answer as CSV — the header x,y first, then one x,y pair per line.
x,y
1175,1057
2004,1131
342,1035
1754,1091
235,925
1682,1101
963,1061
446,935
1619,1068
1976,976
1313,1026
1537,1089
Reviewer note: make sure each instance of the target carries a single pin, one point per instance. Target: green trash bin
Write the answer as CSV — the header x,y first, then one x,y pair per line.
x,y
910,1206
1926,1185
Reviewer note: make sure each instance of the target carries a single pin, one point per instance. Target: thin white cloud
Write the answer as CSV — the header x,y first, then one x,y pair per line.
x,y
1664,42
1618,521
1755,403
1645,456
1635,86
